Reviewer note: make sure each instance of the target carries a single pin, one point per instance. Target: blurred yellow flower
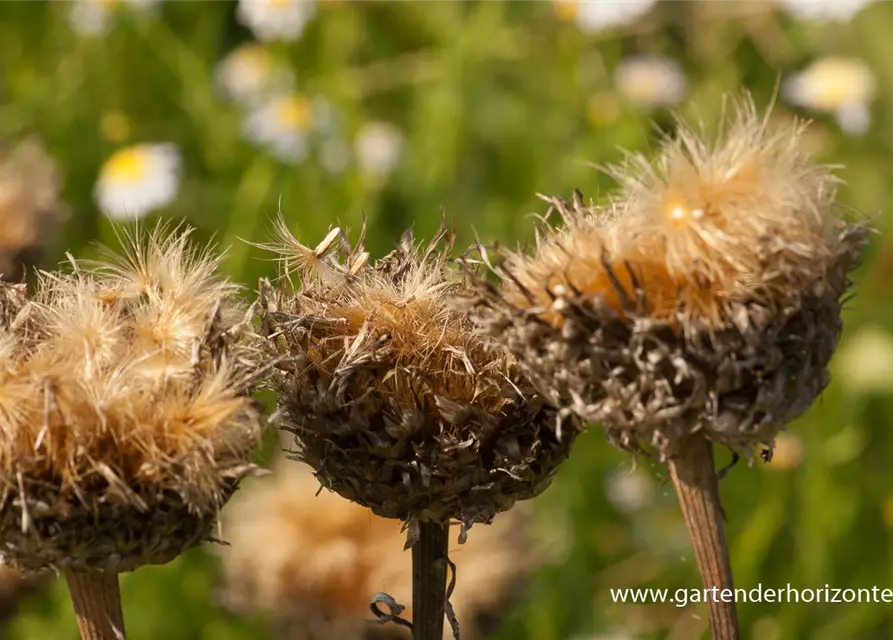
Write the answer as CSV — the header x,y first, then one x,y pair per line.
x,y
137,180
864,363
115,126
603,108
592,16
888,512
788,452
840,85
831,10
276,19
651,81
249,74
378,146
283,125
93,17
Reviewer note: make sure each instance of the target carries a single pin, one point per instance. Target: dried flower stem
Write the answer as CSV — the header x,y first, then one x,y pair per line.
x,y
697,486
97,604
429,577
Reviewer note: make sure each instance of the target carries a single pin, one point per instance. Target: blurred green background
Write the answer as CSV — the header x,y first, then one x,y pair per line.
x,y
475,107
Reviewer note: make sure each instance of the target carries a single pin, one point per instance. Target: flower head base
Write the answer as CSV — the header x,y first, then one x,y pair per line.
x,y
311,561
125,419
29,205
707,298
395,400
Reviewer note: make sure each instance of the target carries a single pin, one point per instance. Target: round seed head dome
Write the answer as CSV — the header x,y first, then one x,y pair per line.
x,y
124,419
311,561
395,400
706,298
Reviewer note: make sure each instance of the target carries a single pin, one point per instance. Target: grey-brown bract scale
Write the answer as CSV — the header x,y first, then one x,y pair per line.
x,y
705,298
395,400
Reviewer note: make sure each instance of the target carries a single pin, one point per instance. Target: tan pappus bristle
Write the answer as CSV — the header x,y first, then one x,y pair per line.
x,y
312,561
124,390
678,306
394,397
711,221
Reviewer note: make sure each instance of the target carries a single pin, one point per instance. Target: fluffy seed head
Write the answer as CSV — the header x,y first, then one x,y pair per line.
x,y
705,297
29,205
312,560
124,417
395,400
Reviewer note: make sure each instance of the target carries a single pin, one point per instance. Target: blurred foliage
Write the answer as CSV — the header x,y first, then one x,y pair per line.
x,y
498,101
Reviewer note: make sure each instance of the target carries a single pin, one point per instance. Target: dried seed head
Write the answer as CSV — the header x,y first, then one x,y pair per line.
x,y
707,297
124,417
395,400
312,562
29,205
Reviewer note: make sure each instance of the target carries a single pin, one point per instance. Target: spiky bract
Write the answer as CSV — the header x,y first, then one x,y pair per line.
x,y
707,297
311,561
395,400
124,419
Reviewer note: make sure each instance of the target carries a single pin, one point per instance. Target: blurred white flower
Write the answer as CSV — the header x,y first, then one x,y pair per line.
x,y
592,16
94,17
832,10
839,85
249,74
864,363
283,125
651,81
378,146
276,19
628,490
334,154
137,180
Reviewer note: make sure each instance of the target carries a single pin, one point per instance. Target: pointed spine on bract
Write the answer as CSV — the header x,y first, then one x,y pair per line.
x,y
393,397
705,297
128,422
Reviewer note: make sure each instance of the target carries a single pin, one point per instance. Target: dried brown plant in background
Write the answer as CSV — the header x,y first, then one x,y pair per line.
x,y
395,400
125,419
311,560
702,306
30,210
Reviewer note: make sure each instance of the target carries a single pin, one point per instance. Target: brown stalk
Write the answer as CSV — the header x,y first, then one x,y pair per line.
x,y
429,579
97,604
697,486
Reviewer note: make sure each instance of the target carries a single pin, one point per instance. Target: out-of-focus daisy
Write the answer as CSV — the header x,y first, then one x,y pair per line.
x,y
378,146
137,180
276,19
628,491
838,85
787,452
831,10
864,363
94,17
249,74
283,125
652,81
592,16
